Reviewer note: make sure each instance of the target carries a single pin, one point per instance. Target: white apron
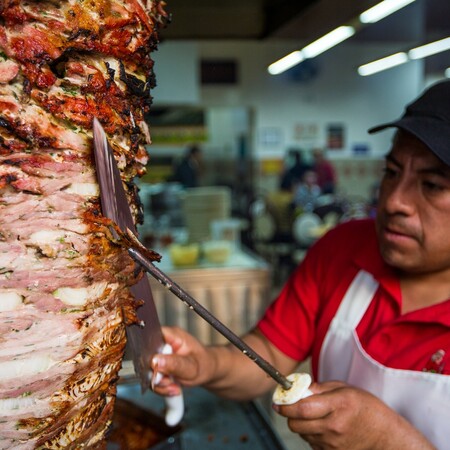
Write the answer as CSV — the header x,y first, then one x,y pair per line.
x,y
423,398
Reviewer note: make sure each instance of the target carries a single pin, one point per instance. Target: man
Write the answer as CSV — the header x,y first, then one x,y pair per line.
x,y
370,304
188,171
295,170
326,175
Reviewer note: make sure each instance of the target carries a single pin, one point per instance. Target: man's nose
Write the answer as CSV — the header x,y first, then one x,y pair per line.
x,y
401,198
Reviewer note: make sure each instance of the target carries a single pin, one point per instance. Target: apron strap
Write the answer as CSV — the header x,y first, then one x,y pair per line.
x,y
356,300
336,352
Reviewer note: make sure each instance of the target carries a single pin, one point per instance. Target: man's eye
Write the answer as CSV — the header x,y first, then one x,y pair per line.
x,y
389,172
430,185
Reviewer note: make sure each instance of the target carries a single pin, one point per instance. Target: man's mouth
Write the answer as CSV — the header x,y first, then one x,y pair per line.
x,y
396,234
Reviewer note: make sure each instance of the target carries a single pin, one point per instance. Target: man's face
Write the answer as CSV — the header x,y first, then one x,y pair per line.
x,y
413,220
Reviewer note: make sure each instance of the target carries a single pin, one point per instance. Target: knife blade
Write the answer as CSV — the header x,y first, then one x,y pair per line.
x,y
145,338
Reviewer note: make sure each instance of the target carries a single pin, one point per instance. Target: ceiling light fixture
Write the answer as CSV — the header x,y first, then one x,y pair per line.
x,y
430,49
383,64
447,72
310,51
286,62
372,15
329,40
399,58
382,10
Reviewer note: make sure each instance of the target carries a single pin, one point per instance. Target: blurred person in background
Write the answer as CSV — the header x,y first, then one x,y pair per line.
x,y
306,192
189,170
294,170
326,173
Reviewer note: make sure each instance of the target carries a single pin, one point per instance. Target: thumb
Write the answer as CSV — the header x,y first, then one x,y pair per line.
x,y
321,388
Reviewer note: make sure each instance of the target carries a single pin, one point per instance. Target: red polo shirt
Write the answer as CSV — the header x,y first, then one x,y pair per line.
x,y
297,321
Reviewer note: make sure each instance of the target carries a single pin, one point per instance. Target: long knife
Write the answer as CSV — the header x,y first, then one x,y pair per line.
x,y
115,206
146,338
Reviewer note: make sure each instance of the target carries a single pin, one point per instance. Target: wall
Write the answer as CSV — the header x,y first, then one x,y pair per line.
x,y
324,91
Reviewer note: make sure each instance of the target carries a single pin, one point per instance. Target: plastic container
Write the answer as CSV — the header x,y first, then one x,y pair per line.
x,y
227,230
203,205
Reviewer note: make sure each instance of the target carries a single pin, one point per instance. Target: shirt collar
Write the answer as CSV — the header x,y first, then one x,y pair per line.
x,y
370,260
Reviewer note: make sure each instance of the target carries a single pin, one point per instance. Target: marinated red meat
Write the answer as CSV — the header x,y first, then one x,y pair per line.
x,y
63,280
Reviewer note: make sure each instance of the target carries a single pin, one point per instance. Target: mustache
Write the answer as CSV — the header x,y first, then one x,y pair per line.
x,y
398,226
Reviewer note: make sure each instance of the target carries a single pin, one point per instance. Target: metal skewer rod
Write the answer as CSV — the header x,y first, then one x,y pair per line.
x,y
212,320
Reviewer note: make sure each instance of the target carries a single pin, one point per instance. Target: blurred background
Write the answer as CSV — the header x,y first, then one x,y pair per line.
x,y
214,92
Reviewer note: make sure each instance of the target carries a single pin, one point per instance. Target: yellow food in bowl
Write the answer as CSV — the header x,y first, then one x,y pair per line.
x,y
217,252
184,255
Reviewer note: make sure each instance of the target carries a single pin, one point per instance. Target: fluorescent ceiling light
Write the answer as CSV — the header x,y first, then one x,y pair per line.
x,y
329,40
430,49
383,64
286,62
310,51
382,10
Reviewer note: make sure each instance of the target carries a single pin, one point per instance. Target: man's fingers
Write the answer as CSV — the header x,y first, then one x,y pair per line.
x,y
305,427
314,407
172,337
167,388
179,367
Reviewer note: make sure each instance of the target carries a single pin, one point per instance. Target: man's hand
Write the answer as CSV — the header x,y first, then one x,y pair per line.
x,y
222,369
190,364
342,417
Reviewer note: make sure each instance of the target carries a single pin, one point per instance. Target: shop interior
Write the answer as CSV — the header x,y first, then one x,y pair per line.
x,y
214,91
234,238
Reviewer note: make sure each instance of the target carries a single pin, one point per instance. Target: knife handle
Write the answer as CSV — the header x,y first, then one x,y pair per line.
x,y
174,404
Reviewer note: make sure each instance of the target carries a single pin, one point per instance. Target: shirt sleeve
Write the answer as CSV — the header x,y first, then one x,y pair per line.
x,y
289,322
298,319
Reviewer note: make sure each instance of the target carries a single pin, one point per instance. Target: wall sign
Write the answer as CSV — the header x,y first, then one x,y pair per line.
x,y
270,136
335,136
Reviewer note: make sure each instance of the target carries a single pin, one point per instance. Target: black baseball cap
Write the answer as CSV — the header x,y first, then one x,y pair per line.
x,y
428,119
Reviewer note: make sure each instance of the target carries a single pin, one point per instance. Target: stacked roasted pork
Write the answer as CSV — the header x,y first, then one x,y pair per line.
x,y
64,296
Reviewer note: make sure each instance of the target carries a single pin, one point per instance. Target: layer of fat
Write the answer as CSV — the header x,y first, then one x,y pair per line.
x,y
47,237
80,296
26,367
84,189
48,241
17,403
10,300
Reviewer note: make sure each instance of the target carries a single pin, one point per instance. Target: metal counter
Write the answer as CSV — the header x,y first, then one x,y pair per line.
x,y
211,423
